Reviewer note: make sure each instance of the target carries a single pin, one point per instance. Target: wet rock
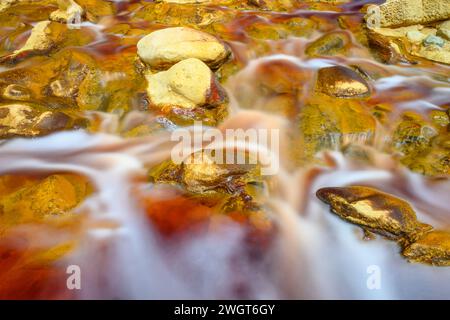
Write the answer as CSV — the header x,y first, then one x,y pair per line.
x,y
26,121
415,36
201,174
423,146
433,248
432,159
415,40
395,13
434,53
412,134
375,211
188,84
330,44
328,123
68,11
54,195
343,82
163,48
402,23
384,48
45,36
16,92
184,15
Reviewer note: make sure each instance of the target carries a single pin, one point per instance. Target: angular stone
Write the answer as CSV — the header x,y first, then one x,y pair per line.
x,y
395,13
433,41
163,48
45,36
422,43
384,48
433,248
375,211
54,195
68,12
26,121
434,53
188,84
415,36
444,30
343,82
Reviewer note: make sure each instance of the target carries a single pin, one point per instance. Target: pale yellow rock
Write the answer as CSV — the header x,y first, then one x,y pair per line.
x,y
441,55
187,84
415,36
395,13
163,48
200,172
69,11
444,30
23,120
44,36
413,32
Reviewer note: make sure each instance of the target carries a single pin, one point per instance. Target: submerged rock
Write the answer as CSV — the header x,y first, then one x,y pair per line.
x,y
163,48
343,82
188,84
375,211
329,45
45,36
202,175
26,121
328,123
432,159
54,195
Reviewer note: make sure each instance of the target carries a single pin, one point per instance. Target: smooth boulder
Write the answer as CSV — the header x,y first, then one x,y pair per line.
x,y
188,84
163,48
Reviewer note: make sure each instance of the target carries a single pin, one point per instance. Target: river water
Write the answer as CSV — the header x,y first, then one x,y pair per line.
x,y
313,254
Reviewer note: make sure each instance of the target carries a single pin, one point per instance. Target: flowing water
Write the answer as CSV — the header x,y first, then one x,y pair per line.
x,y
312,253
